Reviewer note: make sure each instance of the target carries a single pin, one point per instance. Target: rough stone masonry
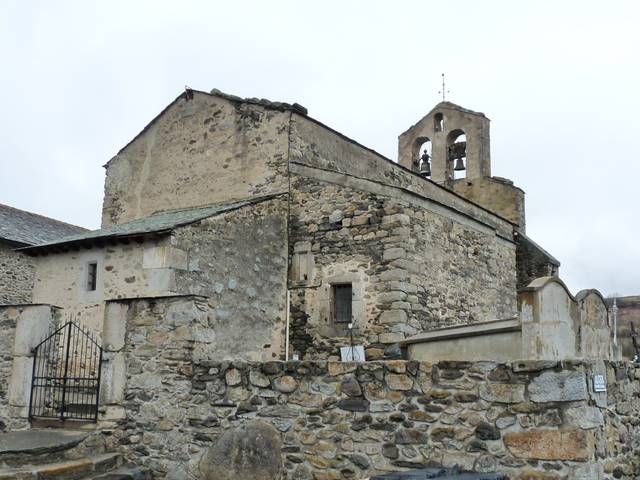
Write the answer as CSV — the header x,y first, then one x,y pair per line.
x,y
341,420
16,276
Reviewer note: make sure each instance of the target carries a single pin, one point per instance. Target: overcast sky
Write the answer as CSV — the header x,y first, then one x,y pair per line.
x,y
558,79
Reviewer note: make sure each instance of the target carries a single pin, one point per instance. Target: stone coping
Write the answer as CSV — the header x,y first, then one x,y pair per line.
x,y
448,333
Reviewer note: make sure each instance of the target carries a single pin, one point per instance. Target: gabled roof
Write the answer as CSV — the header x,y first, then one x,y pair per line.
x,y
26,228
302,111
158,224
444,106
454,106
188,95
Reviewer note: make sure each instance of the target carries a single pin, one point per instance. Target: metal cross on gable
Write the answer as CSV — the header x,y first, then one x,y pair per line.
x,y
444,91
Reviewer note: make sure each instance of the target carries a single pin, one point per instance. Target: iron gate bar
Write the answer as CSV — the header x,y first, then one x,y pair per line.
x,y
70,390
66,370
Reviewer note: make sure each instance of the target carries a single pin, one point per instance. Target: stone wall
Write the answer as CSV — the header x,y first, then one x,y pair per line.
x,y
413,266
496,194
529,419
350,420
557,325
123,270
200,150
144,337
239,261
551,325
16,276
595,332
315,146
8,319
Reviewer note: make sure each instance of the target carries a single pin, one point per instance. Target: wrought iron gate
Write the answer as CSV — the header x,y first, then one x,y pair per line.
x,y
66,375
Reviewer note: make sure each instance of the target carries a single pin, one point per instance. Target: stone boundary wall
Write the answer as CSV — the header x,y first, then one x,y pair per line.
x,y
531,420
16,276
8,320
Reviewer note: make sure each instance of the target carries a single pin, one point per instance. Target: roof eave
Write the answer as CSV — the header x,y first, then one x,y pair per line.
x,y
14,244
88,243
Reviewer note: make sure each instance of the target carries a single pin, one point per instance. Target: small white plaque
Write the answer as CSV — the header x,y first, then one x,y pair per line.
x,y
352,354
599,383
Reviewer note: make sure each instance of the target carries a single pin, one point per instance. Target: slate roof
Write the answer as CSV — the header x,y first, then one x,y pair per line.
x,y
158,223
26,228
534,245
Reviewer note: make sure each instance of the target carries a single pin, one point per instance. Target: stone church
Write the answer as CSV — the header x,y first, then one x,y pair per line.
x,y
293,232
244,230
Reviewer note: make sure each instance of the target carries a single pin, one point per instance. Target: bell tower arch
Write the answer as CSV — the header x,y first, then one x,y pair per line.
x,y
444,125
458,157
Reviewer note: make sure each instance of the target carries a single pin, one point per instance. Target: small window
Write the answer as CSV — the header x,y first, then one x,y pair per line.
x,y
92,276
342,295
438,122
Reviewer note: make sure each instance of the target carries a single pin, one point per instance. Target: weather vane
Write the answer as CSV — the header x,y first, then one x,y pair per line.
x,y
443,91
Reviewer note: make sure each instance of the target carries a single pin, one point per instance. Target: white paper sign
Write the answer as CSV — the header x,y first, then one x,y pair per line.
x,y
352,354
599,383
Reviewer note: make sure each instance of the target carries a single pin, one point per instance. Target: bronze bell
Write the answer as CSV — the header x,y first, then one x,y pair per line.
x,y
459,164
425,167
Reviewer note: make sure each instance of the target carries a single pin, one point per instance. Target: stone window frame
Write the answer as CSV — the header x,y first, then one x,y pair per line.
x,y
334,303
325,299
91,276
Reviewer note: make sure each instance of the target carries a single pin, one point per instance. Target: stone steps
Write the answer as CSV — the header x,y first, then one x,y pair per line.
x,y
55,454
40,446
83,468
125,472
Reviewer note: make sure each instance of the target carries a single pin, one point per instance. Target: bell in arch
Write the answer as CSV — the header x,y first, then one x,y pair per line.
x,y
459,164
425,166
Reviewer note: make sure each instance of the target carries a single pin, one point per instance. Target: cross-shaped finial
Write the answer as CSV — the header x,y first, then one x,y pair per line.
x,y
443,91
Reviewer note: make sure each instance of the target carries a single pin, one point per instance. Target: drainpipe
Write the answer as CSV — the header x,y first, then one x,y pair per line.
x,y
286,340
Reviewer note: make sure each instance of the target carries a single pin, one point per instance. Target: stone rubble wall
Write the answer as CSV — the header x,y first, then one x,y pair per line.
x,y
495,194
16,276
200,150
238,260
317,146
418,269
123,271
8,320
350,420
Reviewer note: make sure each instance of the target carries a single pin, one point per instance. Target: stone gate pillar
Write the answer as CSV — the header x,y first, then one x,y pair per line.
x,y
23,328
113,375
